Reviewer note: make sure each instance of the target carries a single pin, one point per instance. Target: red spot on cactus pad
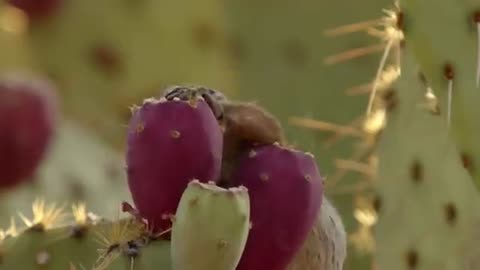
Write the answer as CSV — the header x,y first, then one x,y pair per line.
x,y
283,209
161,163
27,110
36,9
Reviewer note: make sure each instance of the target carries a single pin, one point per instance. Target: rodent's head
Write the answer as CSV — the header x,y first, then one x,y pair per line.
x,y
214,98
184,92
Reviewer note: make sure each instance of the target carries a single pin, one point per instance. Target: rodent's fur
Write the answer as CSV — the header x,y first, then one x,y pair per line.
x,y
245,125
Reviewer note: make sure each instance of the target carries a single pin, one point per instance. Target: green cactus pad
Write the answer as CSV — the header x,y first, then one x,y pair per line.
x,y
87,243
428,205
136,50
443,36
77,168
210,228
53,249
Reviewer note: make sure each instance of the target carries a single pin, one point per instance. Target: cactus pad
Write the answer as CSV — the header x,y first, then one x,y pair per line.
x,y
170,143
89,242
429,205
444,42
104,67
210,228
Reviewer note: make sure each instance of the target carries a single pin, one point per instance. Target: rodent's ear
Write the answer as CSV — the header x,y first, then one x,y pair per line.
x,y
250,122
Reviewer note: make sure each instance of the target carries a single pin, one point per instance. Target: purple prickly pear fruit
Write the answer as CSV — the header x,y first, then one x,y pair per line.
x,y
286,192
27,123
170,143
36,9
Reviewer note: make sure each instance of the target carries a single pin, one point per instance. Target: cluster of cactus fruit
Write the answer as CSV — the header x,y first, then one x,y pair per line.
x,y
281,188
212,188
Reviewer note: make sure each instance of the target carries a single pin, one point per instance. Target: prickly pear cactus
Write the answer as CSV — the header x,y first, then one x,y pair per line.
x,y
210,228
88,242
77,167
445,45
54,160
428,205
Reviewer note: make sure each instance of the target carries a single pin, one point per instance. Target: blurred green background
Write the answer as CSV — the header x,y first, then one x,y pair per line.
x,y
104,56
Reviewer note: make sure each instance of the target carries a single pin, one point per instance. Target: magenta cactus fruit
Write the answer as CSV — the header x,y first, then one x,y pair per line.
x,y
170,143
36,9
286,192
27,123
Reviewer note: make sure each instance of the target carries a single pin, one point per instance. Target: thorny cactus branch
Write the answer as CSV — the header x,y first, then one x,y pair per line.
x,y
47,243
445,44
425,220
427,199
